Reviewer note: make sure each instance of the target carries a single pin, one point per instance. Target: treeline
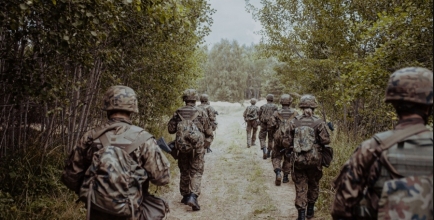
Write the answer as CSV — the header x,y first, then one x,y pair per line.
x,y
233,72
344,51
57,57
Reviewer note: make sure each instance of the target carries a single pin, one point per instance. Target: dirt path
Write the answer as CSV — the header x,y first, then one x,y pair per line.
x,y
237,182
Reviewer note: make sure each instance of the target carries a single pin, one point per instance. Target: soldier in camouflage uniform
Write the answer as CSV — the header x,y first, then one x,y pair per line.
x,y
306,177
211,112
283,115
191,165
119,102
251,118
382,158
265,113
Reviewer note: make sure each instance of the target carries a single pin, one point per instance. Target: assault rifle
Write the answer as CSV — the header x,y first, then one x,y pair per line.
x,y
168,148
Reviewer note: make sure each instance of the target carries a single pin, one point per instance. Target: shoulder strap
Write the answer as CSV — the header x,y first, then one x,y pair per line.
x,y
135,144
388,142
399,135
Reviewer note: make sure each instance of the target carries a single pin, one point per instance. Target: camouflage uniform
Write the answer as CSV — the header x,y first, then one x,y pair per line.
x,y
279,151
251,123
266,126
306,180
361,180
211,112
191,165
148,155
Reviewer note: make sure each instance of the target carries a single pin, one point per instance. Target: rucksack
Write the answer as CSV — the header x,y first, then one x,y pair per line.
x,y
252,113
188,135
305,153
113,182
267,112
281,136
409,193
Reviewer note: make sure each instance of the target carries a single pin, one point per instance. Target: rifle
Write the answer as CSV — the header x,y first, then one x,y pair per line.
x,y
168,148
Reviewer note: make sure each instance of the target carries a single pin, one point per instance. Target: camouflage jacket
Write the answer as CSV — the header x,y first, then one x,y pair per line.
x,y
275,119
202,121
250,108
211,112
266,112
148,156
322,136
357,176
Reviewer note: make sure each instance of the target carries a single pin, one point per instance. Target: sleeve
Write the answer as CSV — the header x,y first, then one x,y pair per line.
x,y
77,164
352,180
275,120
323,134
260,112
155,163
291,129
172,125
245,113
211,114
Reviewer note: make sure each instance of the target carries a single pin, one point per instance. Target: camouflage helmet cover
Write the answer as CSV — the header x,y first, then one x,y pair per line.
x,y
253,101
308,101
120,98
411,84
204,98
270,97
285,99
189,95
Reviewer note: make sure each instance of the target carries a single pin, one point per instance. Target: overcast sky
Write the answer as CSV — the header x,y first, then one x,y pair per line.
x,y
232,22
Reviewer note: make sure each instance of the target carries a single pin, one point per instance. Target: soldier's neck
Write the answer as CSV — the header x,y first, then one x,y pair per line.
x,y
191,104
269,102
285,106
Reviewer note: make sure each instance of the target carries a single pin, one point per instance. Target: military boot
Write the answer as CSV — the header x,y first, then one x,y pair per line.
x,y
248,143
285,178
264,151
269,153
192,201
301,214
185,199
310,210
278,177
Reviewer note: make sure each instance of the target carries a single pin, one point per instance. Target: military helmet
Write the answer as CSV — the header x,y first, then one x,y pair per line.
x,y
308,101
204,98
411,84
285,99
253,101
189,95
270,97
120,98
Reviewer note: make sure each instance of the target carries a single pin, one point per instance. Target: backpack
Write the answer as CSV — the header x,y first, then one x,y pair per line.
x,y
188,135
409,193
113,182
306,151
252,113
281,136
267,113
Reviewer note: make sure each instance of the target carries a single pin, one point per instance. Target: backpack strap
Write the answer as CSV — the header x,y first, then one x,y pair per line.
x,y
192,118
142,138
389,141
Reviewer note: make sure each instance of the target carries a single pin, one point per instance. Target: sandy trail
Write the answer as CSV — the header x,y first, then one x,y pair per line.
x,y
237,182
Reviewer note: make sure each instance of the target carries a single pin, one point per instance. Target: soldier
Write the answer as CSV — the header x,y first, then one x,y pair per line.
x,y
119,102
405,152
308,135
265,113
251,118
191,164
280,121
211,112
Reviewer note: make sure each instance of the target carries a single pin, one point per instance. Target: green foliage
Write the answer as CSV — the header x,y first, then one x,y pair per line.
x,y
344,51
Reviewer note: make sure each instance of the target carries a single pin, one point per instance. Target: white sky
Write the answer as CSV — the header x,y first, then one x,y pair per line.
x,y
232,22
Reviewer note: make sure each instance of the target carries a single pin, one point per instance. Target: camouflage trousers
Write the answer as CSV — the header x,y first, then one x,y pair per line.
x,y
266,131
191,167
276,159
251,128
306,183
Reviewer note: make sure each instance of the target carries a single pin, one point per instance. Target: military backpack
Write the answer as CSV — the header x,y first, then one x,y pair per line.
x,y
306,152
188,135
252,113
281,136
267,112
113,182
